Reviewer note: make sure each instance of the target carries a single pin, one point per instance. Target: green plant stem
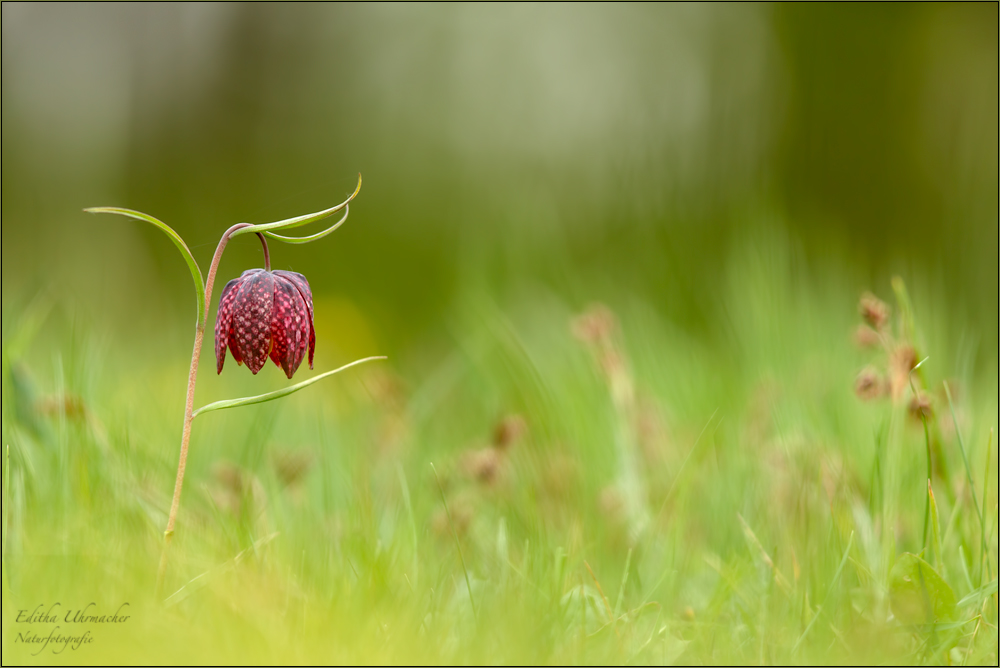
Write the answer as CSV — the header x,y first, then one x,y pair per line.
x,y
199,336
930,470
985,557
930,473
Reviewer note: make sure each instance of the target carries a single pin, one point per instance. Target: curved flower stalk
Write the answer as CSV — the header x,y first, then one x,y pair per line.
x,y
261,314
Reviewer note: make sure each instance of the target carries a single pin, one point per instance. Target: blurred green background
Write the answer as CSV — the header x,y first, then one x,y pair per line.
x,y
690,473
624,144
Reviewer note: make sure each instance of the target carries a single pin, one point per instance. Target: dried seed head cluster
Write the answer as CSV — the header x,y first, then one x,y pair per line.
x,y
902,361
869,384
597,325
893,376
874,311
291,467
865,337
489,465
597,328
508,431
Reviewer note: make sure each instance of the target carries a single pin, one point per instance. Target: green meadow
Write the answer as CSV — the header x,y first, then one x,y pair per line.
x,y
569,483
689,314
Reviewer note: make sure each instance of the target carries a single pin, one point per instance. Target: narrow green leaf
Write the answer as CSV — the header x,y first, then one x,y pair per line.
x,y
621,590
199,283
978,595
468,584
829,590
298,221
917,594
311,237
968,477
984,554
6,487
277,394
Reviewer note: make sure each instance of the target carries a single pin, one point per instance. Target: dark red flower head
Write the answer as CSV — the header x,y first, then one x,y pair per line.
x,y
266,313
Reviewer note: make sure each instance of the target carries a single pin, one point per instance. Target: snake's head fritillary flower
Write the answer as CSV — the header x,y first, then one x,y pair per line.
x,y
266,314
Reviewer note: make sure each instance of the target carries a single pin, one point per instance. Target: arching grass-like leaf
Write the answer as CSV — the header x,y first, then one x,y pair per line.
x,y
277,394
311,237
199,283
299,221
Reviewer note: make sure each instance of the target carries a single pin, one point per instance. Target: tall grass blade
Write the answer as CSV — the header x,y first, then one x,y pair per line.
x,y
621,590
969,478
829,590
458,545
935,528
6,506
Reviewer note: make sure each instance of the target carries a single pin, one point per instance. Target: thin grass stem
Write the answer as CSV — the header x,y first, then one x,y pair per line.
x,y
621,590
927,441
829,590
6,506
451,525
972,484
600,590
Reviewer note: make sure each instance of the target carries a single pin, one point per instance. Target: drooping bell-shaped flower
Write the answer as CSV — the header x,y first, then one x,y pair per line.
x,y
266,314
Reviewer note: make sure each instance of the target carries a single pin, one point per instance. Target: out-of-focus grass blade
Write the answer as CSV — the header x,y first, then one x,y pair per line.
x,y
978,595
6,486
621,590
277,394
199,283
829,590
972,484
200,581
935,527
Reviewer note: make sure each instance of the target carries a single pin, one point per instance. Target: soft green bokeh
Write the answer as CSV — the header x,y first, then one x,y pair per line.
x,y
726,180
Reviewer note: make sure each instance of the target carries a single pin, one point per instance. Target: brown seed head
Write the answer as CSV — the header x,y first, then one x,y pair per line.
x,y
461,512
921,406
508,431
874,311
68,405
595,325
869,384
291,467
865,337
901,362
482,465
